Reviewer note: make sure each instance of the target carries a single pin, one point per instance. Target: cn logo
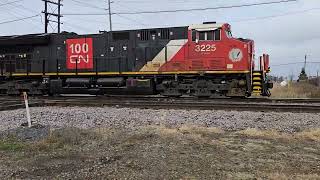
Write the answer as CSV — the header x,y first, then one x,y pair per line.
x,y
79,53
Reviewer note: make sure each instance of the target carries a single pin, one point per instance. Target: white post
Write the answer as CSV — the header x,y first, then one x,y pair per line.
x,y
25,97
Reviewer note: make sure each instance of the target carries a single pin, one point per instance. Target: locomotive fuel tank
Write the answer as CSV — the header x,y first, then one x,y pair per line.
x,y
111,82
78,82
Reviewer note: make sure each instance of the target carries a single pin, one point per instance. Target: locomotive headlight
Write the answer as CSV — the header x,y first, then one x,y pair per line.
x,y
235,55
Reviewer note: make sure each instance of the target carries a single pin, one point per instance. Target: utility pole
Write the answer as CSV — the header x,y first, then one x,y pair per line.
x,y
110,15
46,22
303,75
59,16
48,14
305,62
318,79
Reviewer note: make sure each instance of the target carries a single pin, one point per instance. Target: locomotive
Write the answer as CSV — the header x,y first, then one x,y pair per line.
x,y
202,60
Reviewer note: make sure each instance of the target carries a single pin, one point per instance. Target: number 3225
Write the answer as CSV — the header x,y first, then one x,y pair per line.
x,y
206,48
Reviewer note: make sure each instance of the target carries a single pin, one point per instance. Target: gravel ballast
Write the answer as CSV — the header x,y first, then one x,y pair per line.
x,y
132,118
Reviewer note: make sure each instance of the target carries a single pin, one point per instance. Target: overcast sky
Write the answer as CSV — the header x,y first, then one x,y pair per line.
x,y
286,31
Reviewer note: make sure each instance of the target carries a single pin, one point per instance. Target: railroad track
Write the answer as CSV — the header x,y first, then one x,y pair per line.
x,y
153,98
155,102
10,103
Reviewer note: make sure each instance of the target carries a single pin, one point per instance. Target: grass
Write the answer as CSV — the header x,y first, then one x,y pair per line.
x,y
308,135
202,132
191,131
313,135
187,152
72,137
9,145
296,90
268,134
65,138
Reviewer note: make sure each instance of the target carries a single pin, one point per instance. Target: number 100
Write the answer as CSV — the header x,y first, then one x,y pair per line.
x,y
79,48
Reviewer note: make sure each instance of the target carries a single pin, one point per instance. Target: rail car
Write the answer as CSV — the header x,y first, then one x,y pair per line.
x,y
198,60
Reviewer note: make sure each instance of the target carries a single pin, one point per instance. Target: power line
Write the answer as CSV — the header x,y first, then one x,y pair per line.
x,y
85,4
204,9
171,1
84,14
24,8
185,10
19,15
20,19
12,2
295,63
279,15
83,28
130,19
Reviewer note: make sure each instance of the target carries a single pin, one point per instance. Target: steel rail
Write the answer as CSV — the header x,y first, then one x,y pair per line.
x,y
152,97
274,105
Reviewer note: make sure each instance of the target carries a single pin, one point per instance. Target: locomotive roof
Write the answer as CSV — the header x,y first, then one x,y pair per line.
x,y
23,36
193,26
142,29
24,39
43,38
205,26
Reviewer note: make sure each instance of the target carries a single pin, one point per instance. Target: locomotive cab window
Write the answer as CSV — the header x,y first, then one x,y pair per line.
x,y
217,34
212,35
203,35
194,35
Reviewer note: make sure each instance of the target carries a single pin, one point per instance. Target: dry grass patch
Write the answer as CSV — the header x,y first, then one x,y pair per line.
x,y
201,130
313,135
160,152
184,130
62,138
166,131
296,90
190,132
279,176
269,134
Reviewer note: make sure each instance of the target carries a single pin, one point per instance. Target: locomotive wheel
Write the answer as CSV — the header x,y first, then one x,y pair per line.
x,y
172,92
203,93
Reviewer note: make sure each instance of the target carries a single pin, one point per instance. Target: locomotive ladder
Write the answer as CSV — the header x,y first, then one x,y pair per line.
x,y
257,82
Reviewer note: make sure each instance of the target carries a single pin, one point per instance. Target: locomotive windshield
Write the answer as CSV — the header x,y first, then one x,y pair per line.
x,y
206,35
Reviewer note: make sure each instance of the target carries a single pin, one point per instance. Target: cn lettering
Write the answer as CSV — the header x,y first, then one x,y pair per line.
x,y
78,58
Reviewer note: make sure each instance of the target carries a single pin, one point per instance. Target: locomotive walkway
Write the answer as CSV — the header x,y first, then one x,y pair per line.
x,y
157,102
